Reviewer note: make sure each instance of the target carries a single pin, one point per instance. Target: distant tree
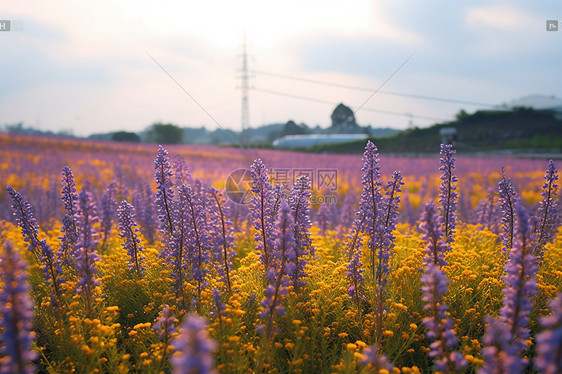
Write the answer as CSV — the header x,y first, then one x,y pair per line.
x,y
343,116
462,114
166,133
291,128
124,136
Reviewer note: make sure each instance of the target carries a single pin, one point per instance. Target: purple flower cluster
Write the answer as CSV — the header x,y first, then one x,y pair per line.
x,y
433,236
25,218
507,336
165,325
500,355
219,308
486,212
391,204
507,196
549,341
129,229
375,361
520,282
300,206
282,267
143,201
52,271
371,199
164,191
195,236
367,220
70,225
222,235
263,211
438,324
193,348
16,314
448,196
23,213
108,210
546,221
323,218
85,255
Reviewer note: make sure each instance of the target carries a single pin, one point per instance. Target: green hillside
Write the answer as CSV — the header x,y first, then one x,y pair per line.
x,y
523,129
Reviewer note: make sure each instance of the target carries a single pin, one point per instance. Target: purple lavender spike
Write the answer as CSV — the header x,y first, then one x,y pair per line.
x,y
500,356
323,218
486,210
16,312
391,204
30,230
196,238
507,196
549,341
70,224
128,227
520,282
143,200
108,210
52,271
165,325
448,196
300,205
279,194
387,218
222,235
375,360
164,190
283,265
181,169
355,270
262,211
439,325
194,348
433,236
85,255
23,212
219,308
547,219
347,211
368,219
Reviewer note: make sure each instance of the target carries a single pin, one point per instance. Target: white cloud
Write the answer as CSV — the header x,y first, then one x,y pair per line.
x,y
502,17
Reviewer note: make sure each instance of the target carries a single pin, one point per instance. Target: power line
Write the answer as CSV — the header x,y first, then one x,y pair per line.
x,y
385,82
333,103
413,96
194,100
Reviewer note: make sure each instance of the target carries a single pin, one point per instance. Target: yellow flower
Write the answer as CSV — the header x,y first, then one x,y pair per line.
x,y
86,349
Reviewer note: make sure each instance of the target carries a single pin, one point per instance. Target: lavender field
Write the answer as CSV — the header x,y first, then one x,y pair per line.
x,y
120,257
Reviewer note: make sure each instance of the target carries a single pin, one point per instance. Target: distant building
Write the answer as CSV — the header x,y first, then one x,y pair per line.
x,y
293,141
537,102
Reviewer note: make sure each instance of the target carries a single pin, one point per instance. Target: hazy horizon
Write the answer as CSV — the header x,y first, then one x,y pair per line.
x,y
88,67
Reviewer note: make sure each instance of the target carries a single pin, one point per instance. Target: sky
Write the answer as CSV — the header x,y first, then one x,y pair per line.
x,y
118,65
